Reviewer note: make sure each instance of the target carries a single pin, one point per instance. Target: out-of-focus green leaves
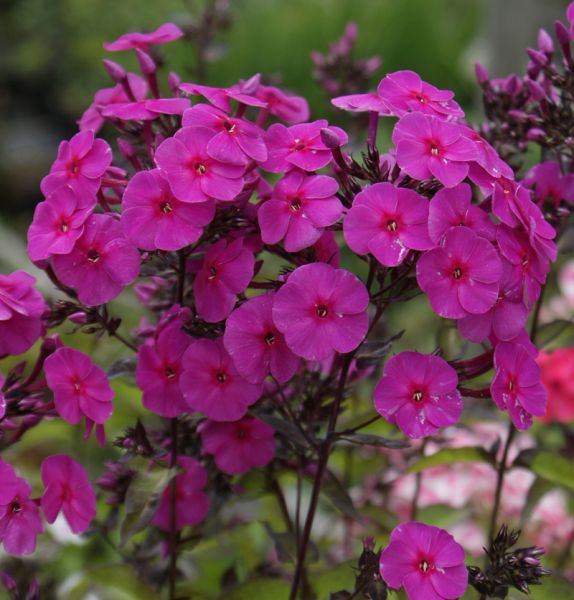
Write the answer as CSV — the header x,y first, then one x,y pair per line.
x,y
259,589
550,466
368,439
449,456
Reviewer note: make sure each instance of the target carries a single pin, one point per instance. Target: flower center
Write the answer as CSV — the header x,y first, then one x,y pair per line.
x,y
421,98
93,255
322,311
510,385
229,126
165,208
457,273
221,377
299,145
269,338
64,227
392,225
296,204
434,150
74,167
212,273
424,566
200,169
417,396
241,433
169,372
16,507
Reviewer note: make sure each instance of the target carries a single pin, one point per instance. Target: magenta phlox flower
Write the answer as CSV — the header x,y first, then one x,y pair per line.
x,y
81,163
387,221
255,344
168,32
369,102
212,385
21,309
193,175
58,222
428,146
405,91
102,263
517,386
145,110
506,319
154,219
191,502
451,207
239,446
327,249
299,210
159,368
226,271
487,157
221,97
426,561
548,183
285,106
321,310
299,146
533,267
92,117
80,387
462,275
20,521
418,394
235,140
68,490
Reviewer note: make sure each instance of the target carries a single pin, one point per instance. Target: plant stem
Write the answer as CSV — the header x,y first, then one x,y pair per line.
x,y
173,533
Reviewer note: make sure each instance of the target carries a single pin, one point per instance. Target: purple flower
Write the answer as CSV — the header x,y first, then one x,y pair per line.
x,y
451,207
159,368
193,175
388,222
234,140
462,275
80,387
517,386
239,446
221,97
191,502
58,223
145,110
321,310
548,183
256,345
369,102
211,384
418,393
154,219
68,490
299,146
101,264
299,210
427,146
287,107
21,309
226,271
168,32
426,561
20,521
81,163
486,156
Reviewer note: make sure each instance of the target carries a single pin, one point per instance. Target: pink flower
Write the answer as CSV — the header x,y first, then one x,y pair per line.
x,y
327,249
369,102
387,221
80,387
548,183
462,275
193,175
426,561
451,207
287,107
159,368
487,157
58,223
299,210
168,32
240,446
256,345
226,271
428,146
405,91
418,393
221,97
191,502
101,264
516,386
145,110
299,146
68,490
154,219
234,140
81,163
21,309
20,521
211,384
321,310
557,374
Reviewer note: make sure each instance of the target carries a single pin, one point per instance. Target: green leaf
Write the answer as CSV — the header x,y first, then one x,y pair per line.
x,y
287,429
536,491
369,439
339,497
550,466
551,588
549,332
259,589
449,456
371,353
142,499
115,582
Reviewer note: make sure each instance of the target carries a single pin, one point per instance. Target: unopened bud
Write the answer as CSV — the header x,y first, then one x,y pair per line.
x,y
146,62
330,138
115,70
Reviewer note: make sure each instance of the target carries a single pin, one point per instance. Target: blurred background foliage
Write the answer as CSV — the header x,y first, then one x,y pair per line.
x,y
50,68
